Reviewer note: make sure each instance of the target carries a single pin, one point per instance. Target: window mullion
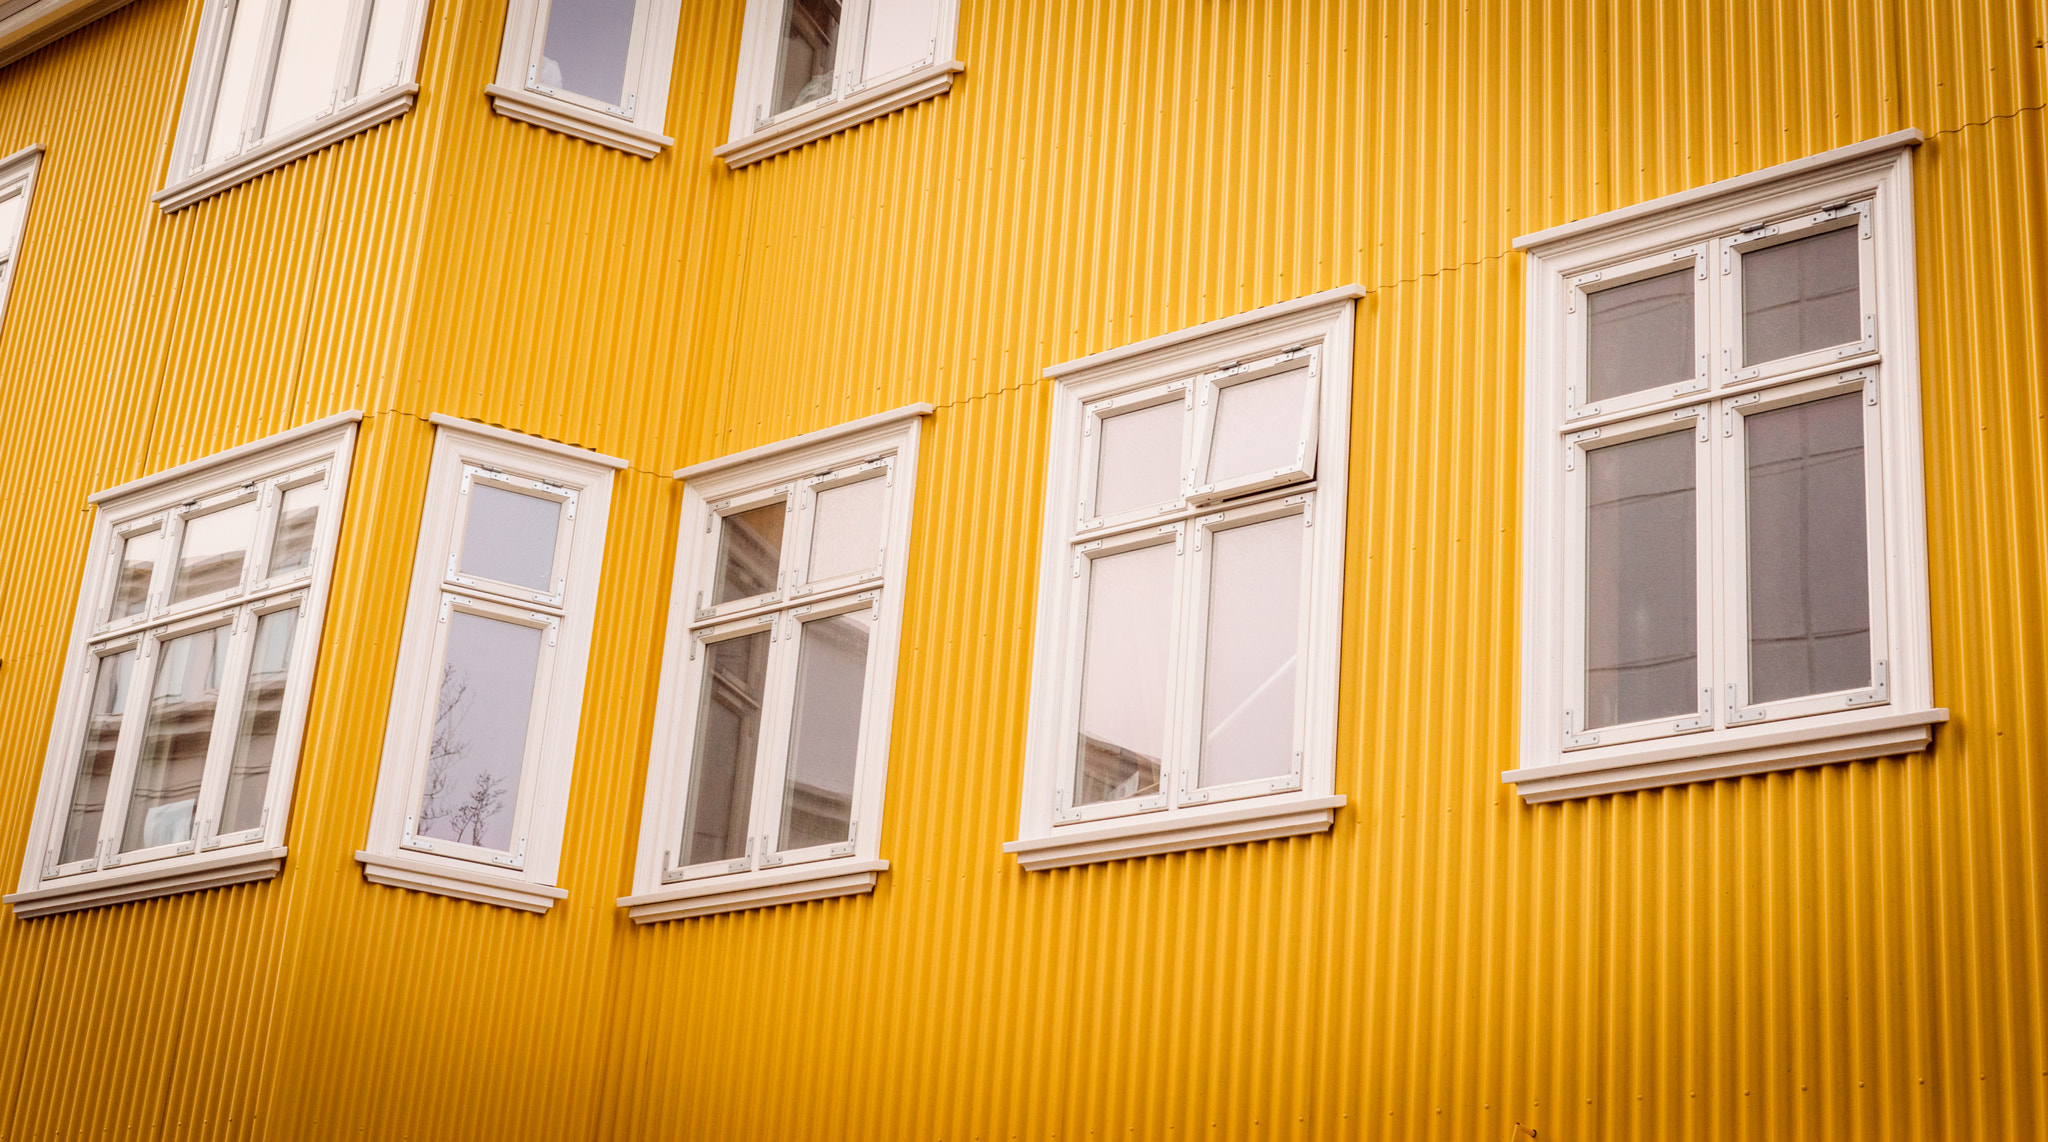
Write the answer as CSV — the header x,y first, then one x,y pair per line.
x,y
348,68
1182,755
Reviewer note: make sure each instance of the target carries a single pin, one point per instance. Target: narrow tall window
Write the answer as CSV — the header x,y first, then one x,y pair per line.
x,y
17,185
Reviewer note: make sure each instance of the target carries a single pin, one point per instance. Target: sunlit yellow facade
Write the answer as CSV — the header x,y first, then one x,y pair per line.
x,y
1851,950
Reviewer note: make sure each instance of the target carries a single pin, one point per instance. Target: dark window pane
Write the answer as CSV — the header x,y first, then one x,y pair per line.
x,y
1639,335
749,552
1800,296
728,742
1809,575
824,740
1642,645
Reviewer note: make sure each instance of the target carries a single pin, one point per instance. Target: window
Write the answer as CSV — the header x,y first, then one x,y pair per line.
x,y
273,80
595,69
185,689
481,736
1726,562
779,674
1191,585
809,68
17,184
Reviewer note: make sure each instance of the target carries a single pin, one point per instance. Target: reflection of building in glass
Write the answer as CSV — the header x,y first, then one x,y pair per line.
x,y
1109,772
174,741
809,42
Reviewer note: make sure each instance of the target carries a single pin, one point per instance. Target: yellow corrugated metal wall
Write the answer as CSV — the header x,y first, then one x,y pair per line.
x,y
1850,951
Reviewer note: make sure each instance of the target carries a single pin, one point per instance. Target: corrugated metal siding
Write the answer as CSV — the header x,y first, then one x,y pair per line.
x,y
1852,951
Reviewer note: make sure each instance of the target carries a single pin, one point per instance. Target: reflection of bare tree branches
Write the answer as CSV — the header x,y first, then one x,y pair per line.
x,y
486,797
448,744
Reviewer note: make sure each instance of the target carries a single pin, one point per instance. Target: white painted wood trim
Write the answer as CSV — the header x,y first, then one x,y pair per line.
x,y
820,881
142,882
46,21
821,437
857,108
576,121
225,459
364,114
1235,822
462,883
1220,327
522,440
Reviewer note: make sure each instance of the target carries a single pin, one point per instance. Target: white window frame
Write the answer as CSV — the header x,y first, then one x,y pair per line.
x,y
258,472
359,102
17,178
633,125
467,453
856,96
1866,185
795,469
1189,367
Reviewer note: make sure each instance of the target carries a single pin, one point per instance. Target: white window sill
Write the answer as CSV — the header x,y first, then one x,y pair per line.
x,y
459,880
579,122
157,878
857,108
819,881
1819,740
354,119
1168,832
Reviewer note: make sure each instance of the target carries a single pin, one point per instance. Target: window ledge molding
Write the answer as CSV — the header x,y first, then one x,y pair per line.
x,y
857,108
144,882
462,883
46,21
821,881
1731,753
364,114
578,122
1153,834
834,434
227,457
522,440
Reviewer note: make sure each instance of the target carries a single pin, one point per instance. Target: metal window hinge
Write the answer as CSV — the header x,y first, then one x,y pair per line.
x,y
1576,741
1736,714
1877,693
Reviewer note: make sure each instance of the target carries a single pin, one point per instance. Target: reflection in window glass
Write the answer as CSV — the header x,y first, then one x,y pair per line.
x,y
1258,426
1809,576
586,48
304,83
213,550
846,536
510,537
1123,675
176,730
1639,335
1139,462
824,741
96,758
1800,296
1250,665
256,739
722,760
478,752
238,75
131,582
291,545
803,67
749,552
11,208
1642,658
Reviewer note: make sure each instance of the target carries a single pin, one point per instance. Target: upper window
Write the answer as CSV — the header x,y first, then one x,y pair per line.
x,y
812,67
484,712
273,80
1726,554
771,745
1184,682
17,184
178,722
595,69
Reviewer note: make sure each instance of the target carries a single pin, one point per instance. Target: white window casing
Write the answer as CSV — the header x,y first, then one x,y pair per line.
x,y
1675,629
272,82
183,703
1196,488
27,25
577,68
810,68
771,743
17,191
479,745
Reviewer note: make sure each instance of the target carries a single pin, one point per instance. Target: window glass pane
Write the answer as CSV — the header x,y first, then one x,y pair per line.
x,y
478,752
238,75
1249,675
291,545
586,48
803,67
1639,335
307,59
722,760
1258,426
824,739
96,758
176,731
383,47
11,209
510,537
1642,656
1800,296
131,582
1123,675
1809,576
256,739
1139,462
749,552
846,538
211,555
900,33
